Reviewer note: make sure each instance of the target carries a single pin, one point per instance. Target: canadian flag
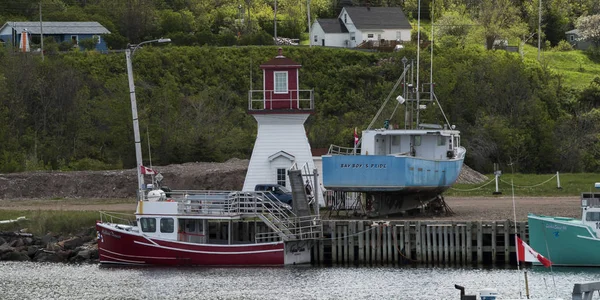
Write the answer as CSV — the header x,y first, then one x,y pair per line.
x,y
526,253
355,137
146,170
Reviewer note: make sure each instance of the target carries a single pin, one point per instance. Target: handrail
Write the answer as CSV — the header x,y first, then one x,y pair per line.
x,y
271,100
339,150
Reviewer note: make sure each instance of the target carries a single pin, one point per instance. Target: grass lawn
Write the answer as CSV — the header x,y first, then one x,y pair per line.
x,y
572,185
575,67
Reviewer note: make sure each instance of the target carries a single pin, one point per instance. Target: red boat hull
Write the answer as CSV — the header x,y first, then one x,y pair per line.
x,y
117,246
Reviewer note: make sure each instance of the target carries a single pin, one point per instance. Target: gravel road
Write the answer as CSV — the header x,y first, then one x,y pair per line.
x,y
465,208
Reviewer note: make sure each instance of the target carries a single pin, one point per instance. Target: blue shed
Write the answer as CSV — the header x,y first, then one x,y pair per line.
x,y
11,32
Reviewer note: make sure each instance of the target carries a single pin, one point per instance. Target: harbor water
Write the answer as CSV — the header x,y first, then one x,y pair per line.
x,y
26,280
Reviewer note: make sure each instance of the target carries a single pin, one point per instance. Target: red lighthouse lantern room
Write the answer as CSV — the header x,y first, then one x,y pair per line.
x,y
280,88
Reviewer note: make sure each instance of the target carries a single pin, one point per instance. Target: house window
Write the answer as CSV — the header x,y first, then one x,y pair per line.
x,y
281,176
148,224
316,38
370,35
345,18
398,35
97,38
571,37
75,40
281,82
352,36
167,225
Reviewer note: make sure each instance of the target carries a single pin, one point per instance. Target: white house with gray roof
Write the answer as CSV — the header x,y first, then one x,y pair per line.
x,y
356,25
73,32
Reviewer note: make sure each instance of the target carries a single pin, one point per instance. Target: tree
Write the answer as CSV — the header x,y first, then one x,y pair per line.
x,y
500,20
589,28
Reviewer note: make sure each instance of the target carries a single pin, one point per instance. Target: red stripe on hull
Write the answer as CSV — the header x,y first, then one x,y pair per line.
x,y
123,247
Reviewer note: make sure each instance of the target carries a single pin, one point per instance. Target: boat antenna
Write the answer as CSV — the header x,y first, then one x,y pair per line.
x,y
150,155
431,58
418,60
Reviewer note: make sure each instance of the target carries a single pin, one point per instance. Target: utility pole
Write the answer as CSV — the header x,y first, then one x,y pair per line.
x,y
309,29
539,28
275,23
41,32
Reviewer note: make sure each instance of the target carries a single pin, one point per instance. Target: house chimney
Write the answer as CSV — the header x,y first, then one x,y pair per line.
x,y
280,53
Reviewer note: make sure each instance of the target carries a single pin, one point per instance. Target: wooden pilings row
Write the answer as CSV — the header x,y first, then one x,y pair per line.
x,y
424,242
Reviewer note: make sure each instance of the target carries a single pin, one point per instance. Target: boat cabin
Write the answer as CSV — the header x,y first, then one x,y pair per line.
x,y
590,216
432,144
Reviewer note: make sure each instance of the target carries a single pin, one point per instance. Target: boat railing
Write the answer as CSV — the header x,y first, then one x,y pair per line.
x,y
339,150
229,203
114,217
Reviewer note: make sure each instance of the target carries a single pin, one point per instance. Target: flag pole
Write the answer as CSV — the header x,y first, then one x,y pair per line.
x,y
516,241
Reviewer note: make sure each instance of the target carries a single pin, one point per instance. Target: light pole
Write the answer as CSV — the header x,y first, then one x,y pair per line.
x,y
136,127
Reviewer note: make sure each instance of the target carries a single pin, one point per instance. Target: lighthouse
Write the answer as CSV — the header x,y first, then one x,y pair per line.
x,y
280,109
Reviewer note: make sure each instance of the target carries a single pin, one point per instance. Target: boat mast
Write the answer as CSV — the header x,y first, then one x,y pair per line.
x,y
431,57
418,61
136,128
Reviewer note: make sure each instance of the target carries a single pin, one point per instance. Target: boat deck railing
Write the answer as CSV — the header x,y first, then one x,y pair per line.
x,y
114,217
339,150
278,216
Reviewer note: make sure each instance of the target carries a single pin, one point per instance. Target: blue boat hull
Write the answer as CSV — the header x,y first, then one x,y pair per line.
x,y
398,174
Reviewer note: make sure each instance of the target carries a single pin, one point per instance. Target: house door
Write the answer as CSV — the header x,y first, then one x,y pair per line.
x,y
323,42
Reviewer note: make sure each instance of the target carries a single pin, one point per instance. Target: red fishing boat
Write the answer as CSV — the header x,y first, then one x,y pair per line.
x,y
207,228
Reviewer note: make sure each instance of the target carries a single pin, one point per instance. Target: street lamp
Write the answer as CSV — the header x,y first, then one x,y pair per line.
x,y
136,127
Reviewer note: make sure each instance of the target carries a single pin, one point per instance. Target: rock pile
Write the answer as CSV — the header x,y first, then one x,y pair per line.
x,y
17,246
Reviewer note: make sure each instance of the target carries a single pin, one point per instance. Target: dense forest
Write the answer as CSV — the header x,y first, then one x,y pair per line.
x,y
72,110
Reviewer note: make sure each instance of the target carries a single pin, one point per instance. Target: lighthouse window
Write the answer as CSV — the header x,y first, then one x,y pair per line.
x,y
167,225
281,176
281,82
148,224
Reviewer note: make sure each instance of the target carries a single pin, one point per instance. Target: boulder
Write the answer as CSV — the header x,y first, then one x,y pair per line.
x,y
15,256
48,238
5,248
71,243
32,251
2,241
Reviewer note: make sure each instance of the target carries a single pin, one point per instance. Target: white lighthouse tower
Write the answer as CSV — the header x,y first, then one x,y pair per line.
x,y
280,108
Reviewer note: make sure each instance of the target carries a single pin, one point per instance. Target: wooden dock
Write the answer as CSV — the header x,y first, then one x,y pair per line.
x,y
363,242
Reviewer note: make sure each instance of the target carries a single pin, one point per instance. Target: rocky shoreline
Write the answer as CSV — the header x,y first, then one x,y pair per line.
x,y
79,248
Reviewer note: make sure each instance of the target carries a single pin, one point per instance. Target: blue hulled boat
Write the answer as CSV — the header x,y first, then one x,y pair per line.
x,y
398,169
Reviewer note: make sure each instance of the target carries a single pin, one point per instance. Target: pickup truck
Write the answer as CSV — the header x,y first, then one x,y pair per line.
x,y
275,192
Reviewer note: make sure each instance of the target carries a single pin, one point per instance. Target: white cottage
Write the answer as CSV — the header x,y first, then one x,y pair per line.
x,y
355,25
280,109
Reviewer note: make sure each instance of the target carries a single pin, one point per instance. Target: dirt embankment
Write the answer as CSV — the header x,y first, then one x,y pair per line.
x,y
121,183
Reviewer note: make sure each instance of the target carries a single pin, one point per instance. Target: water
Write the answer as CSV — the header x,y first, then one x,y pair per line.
x,y
24,280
